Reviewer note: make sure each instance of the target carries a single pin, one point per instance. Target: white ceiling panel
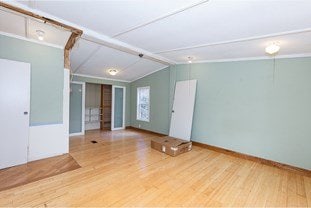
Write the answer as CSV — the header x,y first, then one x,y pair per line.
x,y
108,17
290,44
104,59
52,34
95,60
218,21
141,68
12,23
80,53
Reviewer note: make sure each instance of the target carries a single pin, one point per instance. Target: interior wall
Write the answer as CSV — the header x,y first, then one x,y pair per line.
x,y
248,107
47,73
111,82
159,101
49,96
92,95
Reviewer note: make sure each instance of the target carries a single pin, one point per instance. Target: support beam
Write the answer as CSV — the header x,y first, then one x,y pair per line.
x,y
75,33
44,19
67,59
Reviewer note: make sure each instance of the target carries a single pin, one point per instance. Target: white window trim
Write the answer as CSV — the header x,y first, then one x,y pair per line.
x,y
137,102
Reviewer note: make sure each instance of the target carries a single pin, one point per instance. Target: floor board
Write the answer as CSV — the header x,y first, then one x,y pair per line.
x,y
36,170
122,170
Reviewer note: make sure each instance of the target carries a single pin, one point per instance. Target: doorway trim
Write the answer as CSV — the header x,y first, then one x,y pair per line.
x,y
83,109
112,107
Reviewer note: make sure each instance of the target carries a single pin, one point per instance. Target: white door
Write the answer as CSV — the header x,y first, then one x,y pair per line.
x,y
14,111
182,113
118,108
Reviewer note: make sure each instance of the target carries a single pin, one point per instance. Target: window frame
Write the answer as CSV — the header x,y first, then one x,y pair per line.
x,y
138,104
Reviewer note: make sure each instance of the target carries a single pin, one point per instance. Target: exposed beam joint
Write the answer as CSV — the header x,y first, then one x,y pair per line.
x,y
75,33
44,19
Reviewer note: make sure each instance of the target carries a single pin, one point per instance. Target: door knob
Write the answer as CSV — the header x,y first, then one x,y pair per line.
x,y
173,111
25,113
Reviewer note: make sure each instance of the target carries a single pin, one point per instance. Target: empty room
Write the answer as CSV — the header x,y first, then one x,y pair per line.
x,y
155,103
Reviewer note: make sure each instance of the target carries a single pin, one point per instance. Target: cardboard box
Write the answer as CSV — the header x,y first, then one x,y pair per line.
x,y
171,146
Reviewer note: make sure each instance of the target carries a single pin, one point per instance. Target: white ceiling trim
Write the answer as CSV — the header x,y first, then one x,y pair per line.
x,y
148,74
237,40
31,40
90,35
101,78
302,55
161,17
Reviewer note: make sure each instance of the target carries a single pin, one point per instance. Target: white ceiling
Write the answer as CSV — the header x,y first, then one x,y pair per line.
x,y
16,24
176,29
95,60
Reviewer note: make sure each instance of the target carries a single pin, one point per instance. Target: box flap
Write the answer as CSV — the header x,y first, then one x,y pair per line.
x,y
170,141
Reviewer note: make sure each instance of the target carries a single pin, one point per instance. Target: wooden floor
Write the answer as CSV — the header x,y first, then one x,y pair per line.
x,y
122,170
36,170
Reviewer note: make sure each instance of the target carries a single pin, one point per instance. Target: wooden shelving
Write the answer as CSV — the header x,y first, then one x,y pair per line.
x,y
106,99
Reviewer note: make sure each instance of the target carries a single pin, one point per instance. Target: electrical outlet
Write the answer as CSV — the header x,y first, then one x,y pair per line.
x,y
138,125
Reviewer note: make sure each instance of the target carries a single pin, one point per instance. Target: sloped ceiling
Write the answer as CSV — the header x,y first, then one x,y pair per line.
x,y
174,30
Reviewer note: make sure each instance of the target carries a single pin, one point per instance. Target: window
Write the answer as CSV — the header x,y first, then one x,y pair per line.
x,y
143,105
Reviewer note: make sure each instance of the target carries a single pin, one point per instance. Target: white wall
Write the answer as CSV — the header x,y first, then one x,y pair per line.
x,y
51,140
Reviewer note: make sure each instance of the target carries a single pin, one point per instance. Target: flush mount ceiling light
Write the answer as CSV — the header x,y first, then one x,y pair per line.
x,y
272,49
190,58
112,71
40,34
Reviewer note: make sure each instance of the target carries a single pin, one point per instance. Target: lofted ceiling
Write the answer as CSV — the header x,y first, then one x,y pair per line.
x,y
168,32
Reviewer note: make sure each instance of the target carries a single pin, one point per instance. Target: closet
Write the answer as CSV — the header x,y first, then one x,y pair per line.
x,y
98,106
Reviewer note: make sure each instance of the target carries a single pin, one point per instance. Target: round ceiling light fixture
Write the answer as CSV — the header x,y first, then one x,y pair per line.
x,y
272,49
40,34
190,58
112,71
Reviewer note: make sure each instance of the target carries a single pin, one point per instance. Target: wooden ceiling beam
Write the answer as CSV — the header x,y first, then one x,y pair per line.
x,y
75,33
45,19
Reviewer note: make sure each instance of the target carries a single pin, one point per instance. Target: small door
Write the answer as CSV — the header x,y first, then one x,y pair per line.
x,y
14,111
118,108
77,108
182,112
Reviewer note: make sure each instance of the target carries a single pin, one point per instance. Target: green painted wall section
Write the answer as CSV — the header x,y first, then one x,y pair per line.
x,y
118,106
246,106
111,82
75,109
47,77
159,101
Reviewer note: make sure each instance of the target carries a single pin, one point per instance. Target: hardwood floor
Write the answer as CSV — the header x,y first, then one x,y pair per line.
x,y
36,170
122,170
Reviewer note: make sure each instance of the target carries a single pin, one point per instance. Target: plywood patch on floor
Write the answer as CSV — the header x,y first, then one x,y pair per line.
x,y
36,170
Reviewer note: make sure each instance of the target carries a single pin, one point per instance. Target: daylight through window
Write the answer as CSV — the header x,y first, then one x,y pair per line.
x,y
143,107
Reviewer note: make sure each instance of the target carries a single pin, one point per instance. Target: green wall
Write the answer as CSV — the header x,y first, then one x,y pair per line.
x,y
245,106
111,82
159,101
47,77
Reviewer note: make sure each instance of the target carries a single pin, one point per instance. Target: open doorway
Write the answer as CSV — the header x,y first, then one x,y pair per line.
x,y
98,106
